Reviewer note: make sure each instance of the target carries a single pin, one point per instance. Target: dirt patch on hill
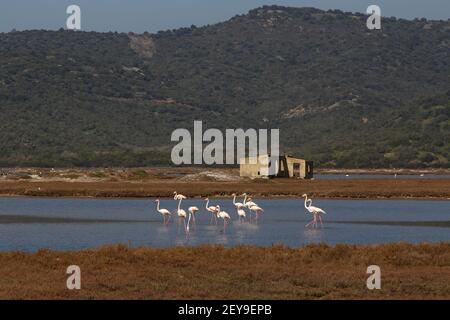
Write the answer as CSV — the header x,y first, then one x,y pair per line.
x,y
143,45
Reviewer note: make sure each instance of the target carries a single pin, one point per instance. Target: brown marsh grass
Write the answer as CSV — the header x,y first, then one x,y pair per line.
x,y
155,187
214,272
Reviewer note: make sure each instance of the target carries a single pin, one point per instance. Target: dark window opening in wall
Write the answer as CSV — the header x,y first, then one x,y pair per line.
x,y
296,169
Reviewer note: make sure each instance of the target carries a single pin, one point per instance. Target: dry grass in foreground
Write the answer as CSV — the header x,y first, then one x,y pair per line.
x,y
212,272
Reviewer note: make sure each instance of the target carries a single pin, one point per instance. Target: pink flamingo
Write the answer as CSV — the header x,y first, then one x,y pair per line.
x,y
317,212
257,210
239,208
182,214
212,210
238,205
242,215
164,212
193,211
189,221
223,215
249,204
177,196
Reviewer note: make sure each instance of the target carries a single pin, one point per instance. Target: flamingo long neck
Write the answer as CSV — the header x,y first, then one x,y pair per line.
x,y
179,204
189,220
306,201
157,205
207,203
234,199
245,199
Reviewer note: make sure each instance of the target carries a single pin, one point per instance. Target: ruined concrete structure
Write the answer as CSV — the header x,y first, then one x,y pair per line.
x,y
285,166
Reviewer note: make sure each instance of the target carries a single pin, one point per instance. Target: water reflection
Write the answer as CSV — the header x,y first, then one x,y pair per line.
x,y
313,235
222,238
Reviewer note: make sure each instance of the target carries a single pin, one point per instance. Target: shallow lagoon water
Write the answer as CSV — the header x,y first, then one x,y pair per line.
x,y
30,224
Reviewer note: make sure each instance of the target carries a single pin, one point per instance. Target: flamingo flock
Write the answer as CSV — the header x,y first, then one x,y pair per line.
x,y
254,210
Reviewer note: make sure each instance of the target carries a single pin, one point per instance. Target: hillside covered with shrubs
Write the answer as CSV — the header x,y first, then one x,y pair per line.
x,y
341,95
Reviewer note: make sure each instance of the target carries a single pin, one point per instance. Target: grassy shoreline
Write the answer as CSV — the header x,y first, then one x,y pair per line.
x,y
213,182
214,272
282,188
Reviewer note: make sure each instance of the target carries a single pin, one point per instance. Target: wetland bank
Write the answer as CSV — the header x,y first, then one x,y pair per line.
x,y
196,182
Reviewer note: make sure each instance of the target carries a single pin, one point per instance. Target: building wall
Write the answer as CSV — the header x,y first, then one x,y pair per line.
x,y
291,167
254,166
309,170
259,167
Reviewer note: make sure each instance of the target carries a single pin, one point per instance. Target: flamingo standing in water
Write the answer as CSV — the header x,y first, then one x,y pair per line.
x,y
223,215
189,221
239,208
238,205
257,210
242,215
182,214
177,196
212,210
317,212
249,204
164,212
193,211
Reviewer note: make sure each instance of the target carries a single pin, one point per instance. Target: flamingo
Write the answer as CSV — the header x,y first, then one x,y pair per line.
x,y
164,212
238,205
313,210
178,196
182,214
213,210
249,204
257,210
241,214
308,203
223,215
189,221
193,211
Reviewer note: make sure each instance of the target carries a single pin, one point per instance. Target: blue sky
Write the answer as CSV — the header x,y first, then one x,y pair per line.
x,y
155,15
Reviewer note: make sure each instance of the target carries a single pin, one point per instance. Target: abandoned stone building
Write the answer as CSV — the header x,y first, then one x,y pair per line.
x,y
285,166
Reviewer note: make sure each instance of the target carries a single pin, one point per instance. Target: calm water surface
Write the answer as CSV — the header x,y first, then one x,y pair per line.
x,y
30,224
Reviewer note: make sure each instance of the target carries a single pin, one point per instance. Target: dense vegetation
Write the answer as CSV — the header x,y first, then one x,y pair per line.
x,y
416,272
342,95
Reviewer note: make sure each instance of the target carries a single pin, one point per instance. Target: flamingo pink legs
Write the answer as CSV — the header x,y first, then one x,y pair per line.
x,y
313,222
